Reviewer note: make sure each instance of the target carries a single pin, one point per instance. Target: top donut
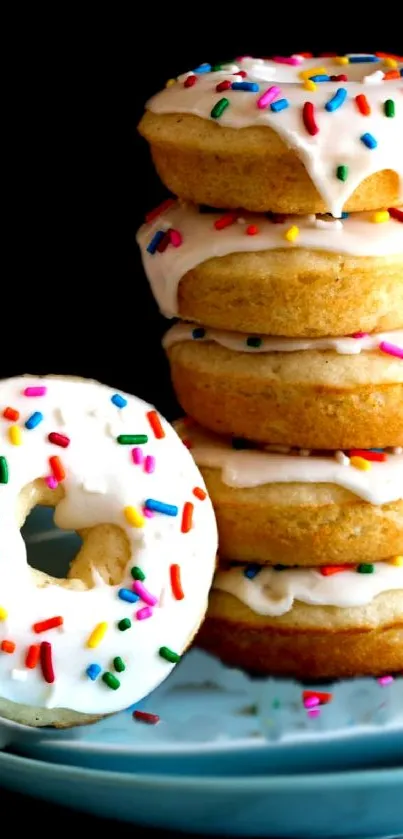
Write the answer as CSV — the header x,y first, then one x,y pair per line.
x,y
286,135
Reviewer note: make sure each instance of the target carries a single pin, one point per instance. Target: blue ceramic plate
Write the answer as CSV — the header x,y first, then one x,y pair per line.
x,y
347,805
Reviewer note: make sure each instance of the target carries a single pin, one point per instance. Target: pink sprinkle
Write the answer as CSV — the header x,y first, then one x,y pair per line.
x,y
385,680
314,713
148,513
149,465
144,613
137,456
391,349
360,335
176,238
145,595
294,60
311,702
268,96
51,482
35,391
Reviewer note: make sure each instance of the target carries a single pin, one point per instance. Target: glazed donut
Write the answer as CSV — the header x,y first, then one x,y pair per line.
x,y
300,623
240,271
296,135
76,649
297,507
311,393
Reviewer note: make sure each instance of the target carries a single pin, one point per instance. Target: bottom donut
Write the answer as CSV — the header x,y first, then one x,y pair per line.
x,y
280,623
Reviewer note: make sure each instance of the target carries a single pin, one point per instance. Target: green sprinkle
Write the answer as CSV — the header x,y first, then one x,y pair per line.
x,y
111,681
128,439
342,173
253,341
219,107
276,704
389,108
365,568
169,655
119,664
216,68
3,470
125,623
138,574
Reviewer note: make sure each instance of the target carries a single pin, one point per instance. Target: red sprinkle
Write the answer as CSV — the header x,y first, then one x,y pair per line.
x,y
341,78
391,74
175,237
57,468
164,242
142,716
225,221
252,229
51,623
8,646
241,73
225,85
59,439
190,81
308,115
376,457
200,493
329,570
389,55
363,104
187,443
46,662
176,585
32,656
396,214
155,423
187,517
324,698
160,209
11,414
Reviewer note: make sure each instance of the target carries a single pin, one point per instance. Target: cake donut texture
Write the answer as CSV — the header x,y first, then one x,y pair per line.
x,y
73,650
312,135
305,624
316,393
299,507
307,276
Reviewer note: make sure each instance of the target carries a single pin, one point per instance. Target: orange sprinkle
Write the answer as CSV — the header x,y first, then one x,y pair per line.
x,y
200,493
50,623
363,104
57,468
32,657
11,414
391,74
155,423
389,55
8,646
187,517
176,584
329,570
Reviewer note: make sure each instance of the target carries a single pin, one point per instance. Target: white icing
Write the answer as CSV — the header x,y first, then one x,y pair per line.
x,y
338,140
272,593
245,468
101,480
356,235
237,341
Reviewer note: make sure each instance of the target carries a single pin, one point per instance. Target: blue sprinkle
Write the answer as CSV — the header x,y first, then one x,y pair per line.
x,y
152,247
161,507
34,420
251,86
401,71
345,215
199,332
369,141
128,596
337,100
252,570
93,671
119,400
279,105
363,59
320,78
203,68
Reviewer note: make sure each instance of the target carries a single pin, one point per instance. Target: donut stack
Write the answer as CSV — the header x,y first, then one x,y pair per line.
x,y
282,262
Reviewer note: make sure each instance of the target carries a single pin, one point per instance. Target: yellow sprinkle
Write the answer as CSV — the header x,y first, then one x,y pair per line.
x,y
3,613
397,560
292,233
97,634
310,85
360,463
320,71
341,59
133,517
380,216
15,435
392,63
170,82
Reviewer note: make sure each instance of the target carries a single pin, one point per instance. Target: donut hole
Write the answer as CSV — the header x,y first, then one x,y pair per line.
x,y
68,558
